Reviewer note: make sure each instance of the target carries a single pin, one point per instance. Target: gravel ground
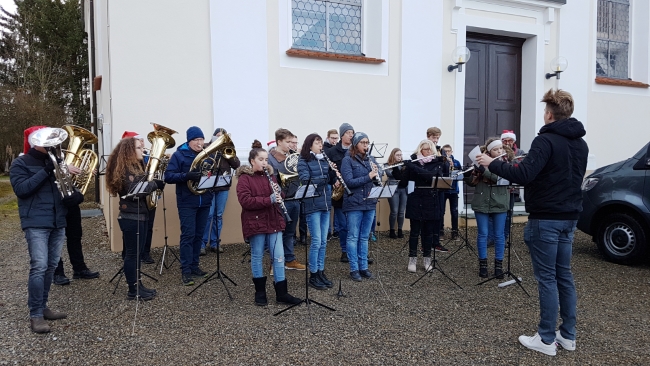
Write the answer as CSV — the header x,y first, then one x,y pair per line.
x,y
381,321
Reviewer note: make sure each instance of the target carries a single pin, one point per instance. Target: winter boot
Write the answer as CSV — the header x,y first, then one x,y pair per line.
x,y
282,295
412,264
260,291
324,279
400,234
315,281
482,271
498,268
392,234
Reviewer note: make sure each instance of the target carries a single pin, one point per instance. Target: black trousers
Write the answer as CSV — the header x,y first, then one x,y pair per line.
x,y
427,231
146,250
73,234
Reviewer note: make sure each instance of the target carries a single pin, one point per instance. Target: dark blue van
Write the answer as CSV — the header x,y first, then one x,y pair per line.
x,y
616,208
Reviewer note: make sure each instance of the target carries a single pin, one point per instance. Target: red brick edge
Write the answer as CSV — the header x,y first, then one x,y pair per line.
x,y
621,82
333,56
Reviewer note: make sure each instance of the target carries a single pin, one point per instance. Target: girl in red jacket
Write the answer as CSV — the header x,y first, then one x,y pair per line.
x,y
262,223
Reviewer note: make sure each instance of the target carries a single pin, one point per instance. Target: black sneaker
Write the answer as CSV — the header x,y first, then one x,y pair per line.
x,y
335,234
355,276
366,274
188,280
146,259
61,280
198,272
344,258
144,296
370,260
329,236
454,235
86,274
442,249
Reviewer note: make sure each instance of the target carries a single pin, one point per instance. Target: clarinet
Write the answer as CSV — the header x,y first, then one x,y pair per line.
x,y
285,213
341,181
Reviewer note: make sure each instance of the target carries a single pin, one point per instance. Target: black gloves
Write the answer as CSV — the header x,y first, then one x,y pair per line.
x,y
194,176
480,169
73,200
159,184
49,166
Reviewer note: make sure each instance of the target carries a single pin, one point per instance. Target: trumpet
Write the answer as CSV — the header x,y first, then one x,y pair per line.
x,y
337,191
276,191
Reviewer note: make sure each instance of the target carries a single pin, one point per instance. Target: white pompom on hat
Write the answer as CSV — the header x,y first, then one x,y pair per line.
x,y
508,134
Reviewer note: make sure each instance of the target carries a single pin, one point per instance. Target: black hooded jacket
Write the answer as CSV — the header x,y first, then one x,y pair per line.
x,y
336,154
552,172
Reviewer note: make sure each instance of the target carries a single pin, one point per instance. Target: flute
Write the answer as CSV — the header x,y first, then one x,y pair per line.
x,y
338,177
285,213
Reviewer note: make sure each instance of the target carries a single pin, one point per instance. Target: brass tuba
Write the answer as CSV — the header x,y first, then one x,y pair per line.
x,y
161,140
84,159
51,139
206,163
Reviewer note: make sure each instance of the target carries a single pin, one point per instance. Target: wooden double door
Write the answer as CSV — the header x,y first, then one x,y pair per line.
x,y
492,89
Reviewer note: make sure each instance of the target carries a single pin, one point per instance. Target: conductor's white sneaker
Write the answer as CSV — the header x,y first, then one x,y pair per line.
x,y
535,343
567,344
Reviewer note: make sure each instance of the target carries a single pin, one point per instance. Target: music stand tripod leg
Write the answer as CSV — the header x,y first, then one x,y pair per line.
x,y
435,267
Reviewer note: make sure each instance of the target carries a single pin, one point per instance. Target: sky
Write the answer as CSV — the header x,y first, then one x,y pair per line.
x,y
8,5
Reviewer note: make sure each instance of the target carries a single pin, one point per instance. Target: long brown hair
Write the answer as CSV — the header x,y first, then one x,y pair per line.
x,y
391,158
122,161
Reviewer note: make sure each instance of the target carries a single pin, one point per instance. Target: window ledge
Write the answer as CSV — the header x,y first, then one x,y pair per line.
x,y
333,56
621,82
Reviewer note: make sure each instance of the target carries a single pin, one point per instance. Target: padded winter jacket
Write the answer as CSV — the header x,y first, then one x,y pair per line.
x,y
39,199
259,215
176,173
321,175
423,203
355,174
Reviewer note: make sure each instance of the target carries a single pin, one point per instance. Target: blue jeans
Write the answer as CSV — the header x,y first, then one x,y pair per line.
x,y
288,236
272,243
318,223
483,223
192,227
44,246
215,221
130,242
551,243
341,221
359,224
397,205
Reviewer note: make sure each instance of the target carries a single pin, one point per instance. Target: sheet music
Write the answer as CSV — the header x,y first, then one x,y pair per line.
x,y
472,154
209,182
383,192
311,191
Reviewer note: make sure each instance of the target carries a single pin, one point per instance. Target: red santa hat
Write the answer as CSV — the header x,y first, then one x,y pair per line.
x,y
28,133
271,144
131,134
508,134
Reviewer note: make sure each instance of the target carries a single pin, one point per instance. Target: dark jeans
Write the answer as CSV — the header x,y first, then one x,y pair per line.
x,y
428,230
302,227
132,231
342,222
192,228
73,234
397,205
146,251
44,247
293,208
453,208
441,222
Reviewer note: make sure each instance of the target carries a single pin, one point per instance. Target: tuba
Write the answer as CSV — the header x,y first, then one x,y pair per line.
x,y
161,140
84,159
205,161
51,139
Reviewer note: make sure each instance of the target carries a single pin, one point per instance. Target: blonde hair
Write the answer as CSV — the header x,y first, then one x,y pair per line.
x,y
559,103
428,143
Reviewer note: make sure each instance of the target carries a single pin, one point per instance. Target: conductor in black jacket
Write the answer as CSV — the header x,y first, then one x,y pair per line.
x,y
552,174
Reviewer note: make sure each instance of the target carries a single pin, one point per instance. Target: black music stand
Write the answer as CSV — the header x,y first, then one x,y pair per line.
x,y
464,239
166,247
301,194
212,182
508,272
437,186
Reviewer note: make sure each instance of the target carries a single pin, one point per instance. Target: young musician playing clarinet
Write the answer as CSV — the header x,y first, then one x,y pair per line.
x,y
313,168
124,170
359,171
263,223
490,201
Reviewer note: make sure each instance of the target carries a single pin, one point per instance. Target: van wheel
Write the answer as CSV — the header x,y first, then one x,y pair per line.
x,y
621,239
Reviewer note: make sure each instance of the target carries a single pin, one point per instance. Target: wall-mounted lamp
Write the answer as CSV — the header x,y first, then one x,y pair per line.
x,y
459,57
558,65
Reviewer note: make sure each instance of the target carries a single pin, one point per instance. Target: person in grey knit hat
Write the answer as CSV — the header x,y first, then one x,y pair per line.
x,y
358,137
345,127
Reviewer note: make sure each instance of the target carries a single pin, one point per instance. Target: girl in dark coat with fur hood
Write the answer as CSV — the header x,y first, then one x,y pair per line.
x,y
262,223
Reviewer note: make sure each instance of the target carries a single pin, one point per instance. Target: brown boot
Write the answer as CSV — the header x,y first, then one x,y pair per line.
x,y
39,325
53,315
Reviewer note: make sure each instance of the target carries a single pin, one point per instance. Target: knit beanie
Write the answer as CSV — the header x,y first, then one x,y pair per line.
x,y
194,133
345,127
358,137
219,129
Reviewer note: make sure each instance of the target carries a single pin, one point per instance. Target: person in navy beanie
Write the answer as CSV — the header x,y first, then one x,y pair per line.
x,y
193,209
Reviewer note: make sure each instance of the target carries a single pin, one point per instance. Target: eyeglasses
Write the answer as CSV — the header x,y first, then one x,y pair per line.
x,y
427,149
364,142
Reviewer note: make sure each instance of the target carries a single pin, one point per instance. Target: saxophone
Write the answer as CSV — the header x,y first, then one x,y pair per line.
x,y
84,159
161,140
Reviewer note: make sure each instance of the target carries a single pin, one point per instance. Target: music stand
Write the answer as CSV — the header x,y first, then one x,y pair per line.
x,y
166,247
464,239
438,184
211,182
303,192
508,272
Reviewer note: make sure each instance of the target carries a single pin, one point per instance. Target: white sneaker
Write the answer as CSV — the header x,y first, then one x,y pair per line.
x,y
567,344
535,343
427,263
412,263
